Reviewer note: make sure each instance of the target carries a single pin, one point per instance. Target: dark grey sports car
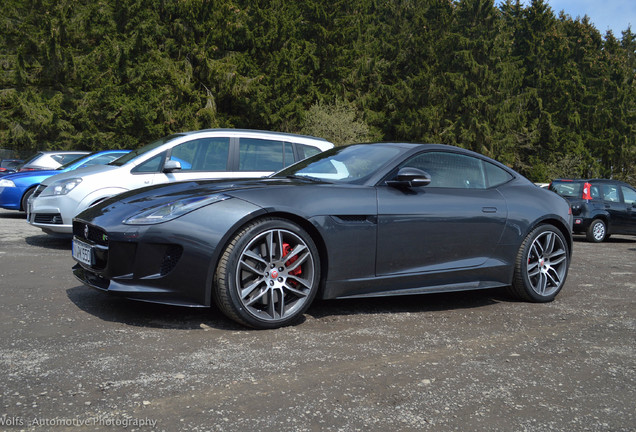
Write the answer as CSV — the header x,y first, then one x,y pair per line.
x,y
358,221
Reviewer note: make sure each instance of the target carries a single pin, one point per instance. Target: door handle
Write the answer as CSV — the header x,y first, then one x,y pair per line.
x,y
489,209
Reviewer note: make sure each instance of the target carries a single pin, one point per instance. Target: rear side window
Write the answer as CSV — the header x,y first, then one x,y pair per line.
x,y
495,175
65,158
610,193
567,189
261,155
305,151
629,195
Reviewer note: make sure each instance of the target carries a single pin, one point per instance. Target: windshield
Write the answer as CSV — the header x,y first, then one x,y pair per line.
x,y
148,147
74,161
352,164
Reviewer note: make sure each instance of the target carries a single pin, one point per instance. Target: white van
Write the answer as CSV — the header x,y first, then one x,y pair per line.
x,y
205,154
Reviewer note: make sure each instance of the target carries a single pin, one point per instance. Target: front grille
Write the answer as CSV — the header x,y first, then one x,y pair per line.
x,y
89,232
38,190
48,218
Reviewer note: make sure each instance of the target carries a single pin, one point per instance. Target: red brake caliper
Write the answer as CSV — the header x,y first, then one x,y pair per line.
x,y
298,271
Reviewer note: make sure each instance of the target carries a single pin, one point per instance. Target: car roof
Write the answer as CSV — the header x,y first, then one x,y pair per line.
x,y
252,131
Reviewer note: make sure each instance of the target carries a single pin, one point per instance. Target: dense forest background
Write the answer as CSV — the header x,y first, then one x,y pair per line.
x,y
547,94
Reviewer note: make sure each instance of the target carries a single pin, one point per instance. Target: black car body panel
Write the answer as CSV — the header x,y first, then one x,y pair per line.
x,y
373,239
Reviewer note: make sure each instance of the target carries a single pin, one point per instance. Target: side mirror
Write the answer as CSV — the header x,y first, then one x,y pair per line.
x,y
171,166
410,177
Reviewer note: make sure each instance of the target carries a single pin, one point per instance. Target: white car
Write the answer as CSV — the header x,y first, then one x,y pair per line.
x,y
206,154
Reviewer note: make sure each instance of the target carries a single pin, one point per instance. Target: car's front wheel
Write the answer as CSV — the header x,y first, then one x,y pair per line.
x,y
268,275
542,265
597,231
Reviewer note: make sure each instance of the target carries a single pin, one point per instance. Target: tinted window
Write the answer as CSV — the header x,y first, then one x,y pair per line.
x,y
567,189
610,193
205,154
151,165
65,158
629,195
288,157
495,175
260,155
305,151
450,170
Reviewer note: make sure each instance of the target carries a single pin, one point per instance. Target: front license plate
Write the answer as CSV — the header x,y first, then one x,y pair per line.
x,y
82,252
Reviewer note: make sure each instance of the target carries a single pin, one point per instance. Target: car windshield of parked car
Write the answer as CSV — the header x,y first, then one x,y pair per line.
x,y
74,161
145,149
351,164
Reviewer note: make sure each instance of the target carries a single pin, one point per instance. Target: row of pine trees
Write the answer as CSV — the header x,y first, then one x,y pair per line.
x,y
541,91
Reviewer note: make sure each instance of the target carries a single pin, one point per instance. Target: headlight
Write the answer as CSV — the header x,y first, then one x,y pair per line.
x,y
61,187
6,183
172,210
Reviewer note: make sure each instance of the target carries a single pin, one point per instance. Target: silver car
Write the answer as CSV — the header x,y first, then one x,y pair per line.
x,y
206,154
50,160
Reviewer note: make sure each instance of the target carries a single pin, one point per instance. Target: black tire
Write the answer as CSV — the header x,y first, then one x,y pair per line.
x,y
597,231
268,275
25,199
541,266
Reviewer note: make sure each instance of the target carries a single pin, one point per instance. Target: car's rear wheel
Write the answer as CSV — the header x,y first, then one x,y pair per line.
x,y
597,231
542,265
268,275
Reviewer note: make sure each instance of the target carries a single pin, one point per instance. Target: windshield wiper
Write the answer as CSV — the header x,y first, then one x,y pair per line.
x,y
302,177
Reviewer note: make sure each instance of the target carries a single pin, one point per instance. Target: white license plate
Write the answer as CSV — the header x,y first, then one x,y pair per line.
x,y
82,252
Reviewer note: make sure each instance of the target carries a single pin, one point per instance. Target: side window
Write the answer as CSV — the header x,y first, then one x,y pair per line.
x,y
305,151
185,154
206,154
610,193
495,175
65,158
595,192
151,165
629,195
289,155
260,155
450,170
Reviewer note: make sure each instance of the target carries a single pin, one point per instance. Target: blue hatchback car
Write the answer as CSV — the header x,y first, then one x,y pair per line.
x,y
16,188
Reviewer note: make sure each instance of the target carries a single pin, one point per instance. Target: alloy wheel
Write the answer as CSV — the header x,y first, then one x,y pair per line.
x,y
547,263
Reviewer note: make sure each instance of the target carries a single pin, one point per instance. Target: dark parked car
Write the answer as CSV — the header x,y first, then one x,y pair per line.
x,y
359,221
600,207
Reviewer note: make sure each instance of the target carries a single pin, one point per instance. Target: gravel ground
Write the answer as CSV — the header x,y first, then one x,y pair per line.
x,y
75,359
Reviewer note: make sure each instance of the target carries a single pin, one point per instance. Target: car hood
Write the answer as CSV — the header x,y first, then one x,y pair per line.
x,y
30,174
297,196
79,172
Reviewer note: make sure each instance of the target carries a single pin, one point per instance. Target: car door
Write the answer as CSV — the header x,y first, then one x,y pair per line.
x,y
455,222
616,208
200,158
629,197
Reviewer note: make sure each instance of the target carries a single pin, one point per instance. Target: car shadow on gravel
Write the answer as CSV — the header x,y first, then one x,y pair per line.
x,y
12,215
407,304
49,242
141,314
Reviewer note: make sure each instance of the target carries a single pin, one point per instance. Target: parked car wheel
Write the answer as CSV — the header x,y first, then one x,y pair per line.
x,y
25,199
268,275
597,231
542,265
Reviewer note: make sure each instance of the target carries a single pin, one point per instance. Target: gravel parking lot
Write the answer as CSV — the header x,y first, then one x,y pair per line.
x,y
74,359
